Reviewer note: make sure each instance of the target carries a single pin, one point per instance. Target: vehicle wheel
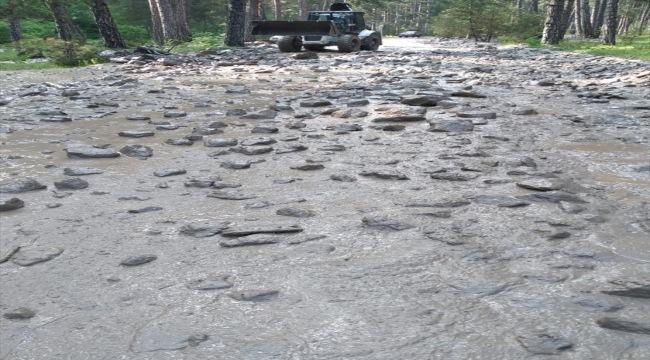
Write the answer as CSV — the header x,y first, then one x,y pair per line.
x,y
349,43
315,47
290,44
373,43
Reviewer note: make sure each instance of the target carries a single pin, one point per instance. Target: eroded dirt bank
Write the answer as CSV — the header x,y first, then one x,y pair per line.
x,y
435,199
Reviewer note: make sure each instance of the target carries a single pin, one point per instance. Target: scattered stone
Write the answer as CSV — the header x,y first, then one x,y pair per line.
x,y
544,344
20,313
468,94
203,229
251,150
260,115
623,325
219,142
21,186
524,111
201,183
264,130
479,115
440,204
423,100
8,204
88,152
541,184
179,142
82,171
299,213
231,195
315,103
137,151
291,148
137,117
552,197
174,114
244,231
308,167
571,208
210,283
145,209
138,260
452,126
385,174
349,113
135,133
225,185
630,289
254,239
453,176
383,223
32,256
234,165
501,201
344,178
255,295
71,184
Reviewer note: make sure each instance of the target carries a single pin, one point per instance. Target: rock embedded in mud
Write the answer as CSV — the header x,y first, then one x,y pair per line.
x,y
249,240
453,176
203,229
384,174
541,184
251,150
220,142
32,256
624,325
202,183
315,103
135,133
255,295
169,172
260,115
343,178
423,100
174,114
89,152
383,223
71,184
501,201
137,151
291,148
299,213
479,115
552,197
138,260
451,126
211,283
308,167
82,171
236,165
544,344
21,186
264,130
20,313
224,195
271,229
630,289
8,204
524,111
145,209
179,142
137,117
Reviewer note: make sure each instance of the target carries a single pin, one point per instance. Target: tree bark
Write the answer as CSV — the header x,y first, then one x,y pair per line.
x,y
609,28
326,5
106,25
277,10
534,6
236,24
14,27
583,23
553,24
302,9
252,15
567,15
184,33
60,21
156,23
598,15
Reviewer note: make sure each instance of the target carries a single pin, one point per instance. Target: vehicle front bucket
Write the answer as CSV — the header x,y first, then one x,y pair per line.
x,y
300,28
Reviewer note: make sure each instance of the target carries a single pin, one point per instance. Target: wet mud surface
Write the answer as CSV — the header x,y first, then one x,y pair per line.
x,y
437,199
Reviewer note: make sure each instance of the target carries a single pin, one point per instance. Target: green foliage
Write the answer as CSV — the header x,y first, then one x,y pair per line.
x,y
5,37
630,48
201,41
134,35
38,28
62,53
481,20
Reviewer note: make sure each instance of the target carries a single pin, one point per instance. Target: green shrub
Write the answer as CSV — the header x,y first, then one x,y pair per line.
x,y
134,35
4,33
37,29
62,53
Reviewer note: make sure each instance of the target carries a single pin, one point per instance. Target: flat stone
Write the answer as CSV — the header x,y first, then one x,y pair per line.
x,y
88,152
201,183
138,260
541,184
82,171
423,100
480,115
207,131
21,186
299,213
308,167
249,240
203,229
623,325
174,114
384,174
260,115
315,103
264,130
32,256
382,223
231,195
244,231
255,295
145,209
6,255
440,204
400,118
71,184
220,142
468,94
524,111
343,178
8,204
137,117
236,165
167,127
20,313
225,185
291,148
349,113
452,126
179,142
256,141
500,201
552,197
453,176
137,151
135,133
251,150
630,289
544,344
211,283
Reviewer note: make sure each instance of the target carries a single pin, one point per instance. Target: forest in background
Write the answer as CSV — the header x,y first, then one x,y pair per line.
x,y
212,23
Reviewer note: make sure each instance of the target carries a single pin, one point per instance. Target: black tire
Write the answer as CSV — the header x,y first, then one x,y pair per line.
x,y
349,43
290,44
373,42
315,47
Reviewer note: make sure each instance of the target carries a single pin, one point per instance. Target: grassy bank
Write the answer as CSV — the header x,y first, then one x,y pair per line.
x,y
626,47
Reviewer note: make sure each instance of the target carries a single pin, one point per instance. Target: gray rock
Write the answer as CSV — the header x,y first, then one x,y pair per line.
x,y
21,186
524,111
305,55
28,257
453,176
201,183
299,213
343,178
423,100
271,229
542,184
251,150
138,260
137,117
384,174
552,197
349,113
82,171
382,223
256,141
291,148
597,305
479,115
88,152
315,103
203,229
179,142
211,283
20,313
137,151
236,165
225,185
57,119
544,344
501,201
174,114
135,133
619,120
357,102
332,148
452,126
308,167
571,208
623,325
264,130
145,209
232,195
260,115
255,295
8,204
71,184
630,289
440,204
399,118
393,127
220,142
167,127
249,240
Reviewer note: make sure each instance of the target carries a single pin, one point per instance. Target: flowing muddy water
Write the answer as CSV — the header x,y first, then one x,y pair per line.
x,y
429,250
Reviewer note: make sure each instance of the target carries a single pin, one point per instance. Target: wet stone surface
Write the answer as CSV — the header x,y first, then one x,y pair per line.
x,y
435,199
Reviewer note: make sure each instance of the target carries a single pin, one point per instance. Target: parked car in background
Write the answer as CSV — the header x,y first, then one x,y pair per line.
x,y
275,38
410,33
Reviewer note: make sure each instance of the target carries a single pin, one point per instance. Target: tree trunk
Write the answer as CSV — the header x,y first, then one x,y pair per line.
x,y
534,6
184,33
14,26
60,21
277,10
156,23
302,9
326,5
598,15
252,15
567,15
583,23
106,25
609,28
553,24
236,25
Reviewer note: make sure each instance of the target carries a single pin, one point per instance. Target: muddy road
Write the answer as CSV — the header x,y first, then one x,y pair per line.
x,y
436,199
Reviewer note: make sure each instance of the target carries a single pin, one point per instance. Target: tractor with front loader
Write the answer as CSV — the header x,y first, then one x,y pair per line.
x,y
340,27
